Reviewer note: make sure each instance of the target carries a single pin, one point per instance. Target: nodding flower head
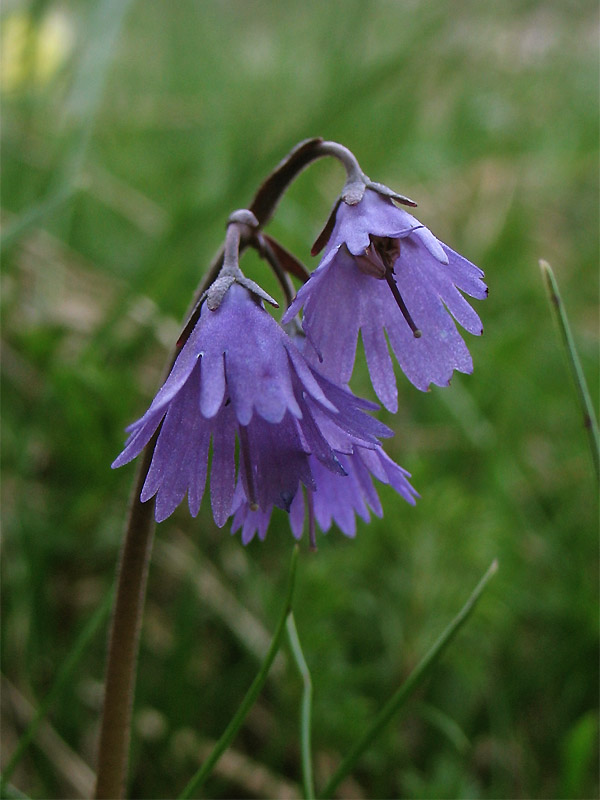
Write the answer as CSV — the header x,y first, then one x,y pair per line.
x,y
240,376
383,273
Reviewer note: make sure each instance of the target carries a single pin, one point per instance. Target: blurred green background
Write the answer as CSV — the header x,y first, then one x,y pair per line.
x,y
130,131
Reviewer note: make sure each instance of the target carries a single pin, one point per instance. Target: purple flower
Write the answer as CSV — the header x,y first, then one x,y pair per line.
x,y
240,376
335,498
382,272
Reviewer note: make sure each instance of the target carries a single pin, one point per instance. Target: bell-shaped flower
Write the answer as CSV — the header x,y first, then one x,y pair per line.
x,y
384,274
240,376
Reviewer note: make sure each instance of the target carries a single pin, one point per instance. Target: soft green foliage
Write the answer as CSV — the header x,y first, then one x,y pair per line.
x,y
131,131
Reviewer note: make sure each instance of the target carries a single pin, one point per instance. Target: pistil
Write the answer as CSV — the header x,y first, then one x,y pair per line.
x,y
388,251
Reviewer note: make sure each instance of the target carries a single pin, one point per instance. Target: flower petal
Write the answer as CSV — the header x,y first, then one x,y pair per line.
x,y
222,476
375,215
212,385
465,275
381,369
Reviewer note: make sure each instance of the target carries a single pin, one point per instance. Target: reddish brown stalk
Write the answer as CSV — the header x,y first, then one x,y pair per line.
x,y
115,731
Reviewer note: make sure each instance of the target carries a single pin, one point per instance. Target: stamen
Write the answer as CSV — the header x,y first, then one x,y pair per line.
x,y
245,452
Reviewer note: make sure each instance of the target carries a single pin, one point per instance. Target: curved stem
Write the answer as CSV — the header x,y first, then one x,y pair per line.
x,y
266,251
273,187
232,249
346,157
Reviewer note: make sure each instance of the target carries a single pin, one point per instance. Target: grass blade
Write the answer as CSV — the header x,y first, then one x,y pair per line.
x,y
305,710
589,417
240,715
416,677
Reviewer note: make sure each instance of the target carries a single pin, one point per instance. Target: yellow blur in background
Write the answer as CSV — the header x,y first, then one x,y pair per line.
x,y
33,52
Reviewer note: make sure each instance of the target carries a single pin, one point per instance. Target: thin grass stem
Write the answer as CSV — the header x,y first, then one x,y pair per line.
x,y
251,695
560,315
416,677
305,708
10,792
33,216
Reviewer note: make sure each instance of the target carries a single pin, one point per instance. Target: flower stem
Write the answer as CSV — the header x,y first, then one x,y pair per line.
x,y
305,711
115,730
416,677
267,252
273,187
346,157
230,732
589,417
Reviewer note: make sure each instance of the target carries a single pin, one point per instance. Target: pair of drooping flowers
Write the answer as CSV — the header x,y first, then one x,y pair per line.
x,y
305,442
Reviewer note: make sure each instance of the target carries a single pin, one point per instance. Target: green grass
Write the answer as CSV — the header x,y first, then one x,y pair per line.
x,y
121,163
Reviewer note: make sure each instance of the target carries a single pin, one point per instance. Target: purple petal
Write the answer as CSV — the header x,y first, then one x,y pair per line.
x,y
251,522
330,317
141,433
431,244
334,500
398,478
182,369
366,482
375,215
350,417
212,386
278,461
175,458
462,312
256,362
381,369
306,377
222,476
198,477
465,275
316,442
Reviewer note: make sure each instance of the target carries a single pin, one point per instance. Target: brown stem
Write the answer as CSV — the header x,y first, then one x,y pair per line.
x,y
267,252
115,730
271,190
